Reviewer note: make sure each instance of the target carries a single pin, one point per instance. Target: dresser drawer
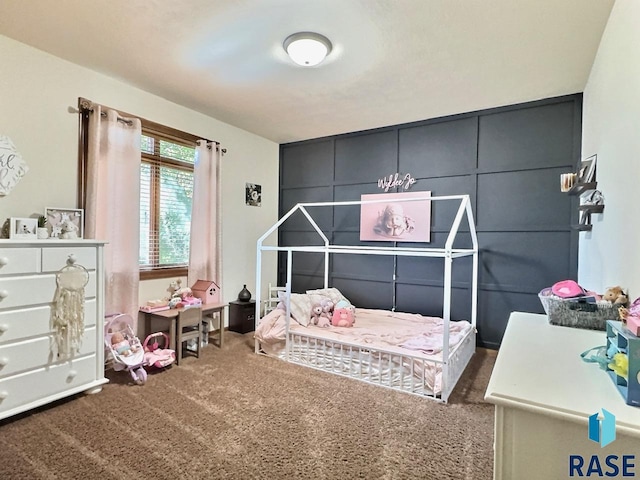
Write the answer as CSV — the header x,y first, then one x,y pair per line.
x,y
37,384
36,321
19,260
53,259
38,352
35,290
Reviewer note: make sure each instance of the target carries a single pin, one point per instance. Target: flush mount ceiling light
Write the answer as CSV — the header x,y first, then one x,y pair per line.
x,y
307,48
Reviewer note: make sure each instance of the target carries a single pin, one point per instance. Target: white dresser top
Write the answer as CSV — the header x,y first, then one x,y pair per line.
x,y
539,368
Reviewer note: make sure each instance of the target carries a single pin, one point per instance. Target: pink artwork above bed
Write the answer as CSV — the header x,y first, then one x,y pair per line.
x,y
396,218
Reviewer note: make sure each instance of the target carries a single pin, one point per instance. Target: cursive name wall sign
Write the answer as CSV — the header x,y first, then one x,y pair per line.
x,y
396,180
12,167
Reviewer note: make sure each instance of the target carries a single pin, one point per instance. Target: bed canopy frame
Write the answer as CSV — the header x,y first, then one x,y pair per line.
x,y
454,360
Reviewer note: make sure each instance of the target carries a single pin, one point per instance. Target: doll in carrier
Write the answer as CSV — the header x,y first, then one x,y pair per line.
x,y
124,347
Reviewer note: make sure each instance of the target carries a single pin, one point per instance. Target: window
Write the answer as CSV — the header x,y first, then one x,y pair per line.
x,y
166,193
167,160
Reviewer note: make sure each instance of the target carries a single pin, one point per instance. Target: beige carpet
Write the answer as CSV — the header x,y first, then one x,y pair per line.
x,y
235,415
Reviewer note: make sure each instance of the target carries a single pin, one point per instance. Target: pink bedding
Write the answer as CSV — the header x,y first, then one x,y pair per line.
x,y
391,331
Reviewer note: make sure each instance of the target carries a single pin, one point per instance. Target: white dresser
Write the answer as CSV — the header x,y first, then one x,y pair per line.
x,y
31,372
544,394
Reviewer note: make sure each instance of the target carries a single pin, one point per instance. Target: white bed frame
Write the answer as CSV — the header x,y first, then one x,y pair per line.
x,y
378,366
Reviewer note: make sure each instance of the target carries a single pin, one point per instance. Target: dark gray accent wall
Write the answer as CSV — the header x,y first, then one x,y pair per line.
x,y
509,161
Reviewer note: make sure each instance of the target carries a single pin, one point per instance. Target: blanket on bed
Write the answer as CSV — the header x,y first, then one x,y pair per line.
x,y
373,328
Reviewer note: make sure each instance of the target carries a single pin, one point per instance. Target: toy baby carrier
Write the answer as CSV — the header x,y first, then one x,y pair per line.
x,y
123,347
155,353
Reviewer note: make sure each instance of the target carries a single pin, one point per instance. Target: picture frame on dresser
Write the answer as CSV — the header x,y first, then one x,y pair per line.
x,y
65,222
23,228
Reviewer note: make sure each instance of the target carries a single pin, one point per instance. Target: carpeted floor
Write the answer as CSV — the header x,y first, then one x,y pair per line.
x,y
235,415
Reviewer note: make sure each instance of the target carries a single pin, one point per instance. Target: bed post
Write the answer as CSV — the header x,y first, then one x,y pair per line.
x,y
258,287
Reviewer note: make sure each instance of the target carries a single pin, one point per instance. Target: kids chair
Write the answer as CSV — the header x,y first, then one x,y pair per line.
x,y
188,326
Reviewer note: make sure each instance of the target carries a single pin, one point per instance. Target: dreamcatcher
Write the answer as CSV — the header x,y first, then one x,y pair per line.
x,y
68,307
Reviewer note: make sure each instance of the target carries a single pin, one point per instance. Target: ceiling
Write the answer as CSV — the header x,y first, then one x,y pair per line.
x,y
393,61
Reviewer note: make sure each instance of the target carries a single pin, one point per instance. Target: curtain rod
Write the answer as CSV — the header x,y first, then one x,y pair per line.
x,y
87,105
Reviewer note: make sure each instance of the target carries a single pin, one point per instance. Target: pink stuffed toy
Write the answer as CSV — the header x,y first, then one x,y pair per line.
x,y
342,317
318,318
327,308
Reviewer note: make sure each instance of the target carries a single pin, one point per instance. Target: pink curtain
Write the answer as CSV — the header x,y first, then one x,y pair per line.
x,y
206,243
112,209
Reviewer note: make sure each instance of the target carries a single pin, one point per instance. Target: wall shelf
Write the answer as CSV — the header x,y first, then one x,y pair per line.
x,y
580,189
591,208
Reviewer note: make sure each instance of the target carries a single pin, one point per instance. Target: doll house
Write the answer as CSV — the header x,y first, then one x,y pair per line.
x,y
207,291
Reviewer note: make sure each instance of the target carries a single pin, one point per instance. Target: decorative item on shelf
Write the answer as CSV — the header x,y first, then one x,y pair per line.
x,y
587,171
43,233
244,295
594,198
23,228
567,180
65,223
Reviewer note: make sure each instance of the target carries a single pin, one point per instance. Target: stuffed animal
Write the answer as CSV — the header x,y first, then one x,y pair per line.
x,y
342,317
346,304
616,296
316,314
69,230
327,308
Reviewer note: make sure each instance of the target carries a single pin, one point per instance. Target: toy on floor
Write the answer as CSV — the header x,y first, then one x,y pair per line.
x,y
124,347
155,354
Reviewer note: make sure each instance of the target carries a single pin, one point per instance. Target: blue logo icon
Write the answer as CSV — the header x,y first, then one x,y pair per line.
x,y
602,431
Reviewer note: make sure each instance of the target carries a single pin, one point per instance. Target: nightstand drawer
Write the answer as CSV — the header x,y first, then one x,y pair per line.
x,y
19,260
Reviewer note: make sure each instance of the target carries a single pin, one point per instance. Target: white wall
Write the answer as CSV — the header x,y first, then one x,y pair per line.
x,y
36,92
609,254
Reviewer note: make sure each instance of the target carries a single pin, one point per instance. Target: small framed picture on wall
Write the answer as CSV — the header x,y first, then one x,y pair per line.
x,y
253,194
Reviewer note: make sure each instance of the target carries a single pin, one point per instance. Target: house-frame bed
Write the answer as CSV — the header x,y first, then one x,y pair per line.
x,y
429,375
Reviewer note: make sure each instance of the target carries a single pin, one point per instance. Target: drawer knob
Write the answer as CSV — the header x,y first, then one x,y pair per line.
x,y
3,394
72,259
4,261
4,294
72,374
4,327
3,361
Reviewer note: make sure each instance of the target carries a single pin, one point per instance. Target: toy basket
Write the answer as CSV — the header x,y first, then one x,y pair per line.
x,y
573,313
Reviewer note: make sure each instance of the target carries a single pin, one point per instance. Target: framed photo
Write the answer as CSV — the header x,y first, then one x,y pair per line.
x,y
65,223
399,217
24,228
587,171
253,194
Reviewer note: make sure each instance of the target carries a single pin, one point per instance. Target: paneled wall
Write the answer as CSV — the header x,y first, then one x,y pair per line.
x,y
508,160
